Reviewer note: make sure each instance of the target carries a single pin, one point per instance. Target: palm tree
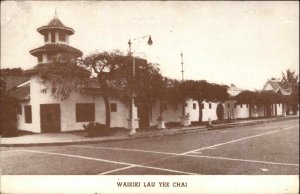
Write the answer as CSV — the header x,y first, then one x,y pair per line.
x,y
291,81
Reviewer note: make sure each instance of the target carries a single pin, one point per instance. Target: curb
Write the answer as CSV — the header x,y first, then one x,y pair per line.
x,y
154,135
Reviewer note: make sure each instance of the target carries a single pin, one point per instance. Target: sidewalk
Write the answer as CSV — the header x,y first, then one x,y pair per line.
x,y
78,138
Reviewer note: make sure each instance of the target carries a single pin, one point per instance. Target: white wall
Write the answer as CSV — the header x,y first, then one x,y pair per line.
x,y
68,109
241,112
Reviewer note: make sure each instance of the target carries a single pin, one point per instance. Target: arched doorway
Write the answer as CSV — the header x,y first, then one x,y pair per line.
x,y
220,111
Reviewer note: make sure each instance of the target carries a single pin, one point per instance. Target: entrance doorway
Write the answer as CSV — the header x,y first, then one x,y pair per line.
x,y
50,118
220,111
144,115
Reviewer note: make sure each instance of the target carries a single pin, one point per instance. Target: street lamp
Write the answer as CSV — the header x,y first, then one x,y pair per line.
x,y
131,124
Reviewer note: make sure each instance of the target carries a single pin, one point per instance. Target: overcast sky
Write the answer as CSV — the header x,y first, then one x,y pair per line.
x,y
244,43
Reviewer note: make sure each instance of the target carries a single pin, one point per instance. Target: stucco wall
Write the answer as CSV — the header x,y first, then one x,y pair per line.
x,y
68,109
241,111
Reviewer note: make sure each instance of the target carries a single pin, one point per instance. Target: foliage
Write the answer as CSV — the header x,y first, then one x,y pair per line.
x,y
96,129
259,97
291,81
8,118
115,71
61,77
11,72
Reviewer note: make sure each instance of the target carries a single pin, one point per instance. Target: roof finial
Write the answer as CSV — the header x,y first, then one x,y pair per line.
x,y
55,16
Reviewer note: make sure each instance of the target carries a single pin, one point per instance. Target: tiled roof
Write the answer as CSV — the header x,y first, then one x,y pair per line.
x,y
234,91
55,24
13,81
22,93
275,84
57,48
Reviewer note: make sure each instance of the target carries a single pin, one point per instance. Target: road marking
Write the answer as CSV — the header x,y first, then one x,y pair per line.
x,y
15,150
194,154
243,160
109,161
118,169
237,140
125,149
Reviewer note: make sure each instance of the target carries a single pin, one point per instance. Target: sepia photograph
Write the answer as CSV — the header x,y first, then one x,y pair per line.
x,y
149,97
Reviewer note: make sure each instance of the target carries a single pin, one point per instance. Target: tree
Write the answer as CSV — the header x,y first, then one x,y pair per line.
x,y
199,90
113,71
8,106
290,81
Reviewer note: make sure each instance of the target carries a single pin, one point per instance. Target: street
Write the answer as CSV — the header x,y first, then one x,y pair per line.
x,y
260,149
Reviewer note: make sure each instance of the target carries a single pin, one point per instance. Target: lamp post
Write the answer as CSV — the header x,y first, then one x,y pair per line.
x,y
131,120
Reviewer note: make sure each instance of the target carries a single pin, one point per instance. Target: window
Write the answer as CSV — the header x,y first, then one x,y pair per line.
x,y
19,109
194,106
209,105
62,37
228,105
186,104
202,106
28,116
234,105
52,37
85,112
241,105
279,105
46,37
40,58
113,107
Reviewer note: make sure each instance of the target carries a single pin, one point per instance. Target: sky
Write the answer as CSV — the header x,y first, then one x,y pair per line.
x,y
244,43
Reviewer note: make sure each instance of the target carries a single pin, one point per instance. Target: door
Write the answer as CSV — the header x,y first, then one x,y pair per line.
x,y
144,116
220,111
50,118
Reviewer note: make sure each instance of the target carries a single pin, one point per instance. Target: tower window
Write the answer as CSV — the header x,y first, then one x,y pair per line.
x,y
40,58
46,37
62,37
52,37
209,105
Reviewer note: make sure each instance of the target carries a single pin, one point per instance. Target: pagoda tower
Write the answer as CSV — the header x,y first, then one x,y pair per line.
x,y
56,42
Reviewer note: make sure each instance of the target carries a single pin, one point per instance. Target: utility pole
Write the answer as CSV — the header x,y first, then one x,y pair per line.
x,y
182,72
182,79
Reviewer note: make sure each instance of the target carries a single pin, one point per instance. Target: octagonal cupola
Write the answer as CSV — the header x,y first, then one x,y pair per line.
x,y
56,41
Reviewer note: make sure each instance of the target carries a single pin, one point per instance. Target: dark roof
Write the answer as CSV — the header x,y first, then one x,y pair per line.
x,y
55,48
275,84
55,23
13,81
22,93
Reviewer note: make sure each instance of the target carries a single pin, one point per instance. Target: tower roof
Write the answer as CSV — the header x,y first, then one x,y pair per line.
x,y
55,48
55,23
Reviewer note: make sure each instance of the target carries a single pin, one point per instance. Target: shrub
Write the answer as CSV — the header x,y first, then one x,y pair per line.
x,y
94,129
173,124
8,129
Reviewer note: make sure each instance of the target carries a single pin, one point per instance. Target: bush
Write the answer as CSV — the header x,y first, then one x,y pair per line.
x,y
8,129
173,124
94,129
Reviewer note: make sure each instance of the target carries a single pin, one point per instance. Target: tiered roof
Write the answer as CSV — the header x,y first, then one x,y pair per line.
x,y
55,23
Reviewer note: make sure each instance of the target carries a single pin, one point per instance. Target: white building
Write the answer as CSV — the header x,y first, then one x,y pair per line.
x,y
40,112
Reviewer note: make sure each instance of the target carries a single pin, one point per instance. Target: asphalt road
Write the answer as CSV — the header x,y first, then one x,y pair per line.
x,y
269,148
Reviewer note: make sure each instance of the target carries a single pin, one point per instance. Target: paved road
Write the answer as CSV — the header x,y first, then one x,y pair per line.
x,y
269,148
